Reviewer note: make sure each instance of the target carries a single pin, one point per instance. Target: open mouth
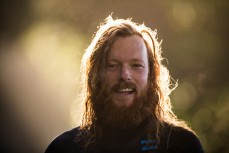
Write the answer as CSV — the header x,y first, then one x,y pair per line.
x,y
125,90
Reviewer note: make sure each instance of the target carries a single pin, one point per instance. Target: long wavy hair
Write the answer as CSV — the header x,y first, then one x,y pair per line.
x,y
93,66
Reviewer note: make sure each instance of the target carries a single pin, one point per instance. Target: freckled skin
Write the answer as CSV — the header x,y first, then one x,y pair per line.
x,y
127,62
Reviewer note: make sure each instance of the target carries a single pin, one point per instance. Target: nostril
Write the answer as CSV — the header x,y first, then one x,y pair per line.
x,y
125,74
126,77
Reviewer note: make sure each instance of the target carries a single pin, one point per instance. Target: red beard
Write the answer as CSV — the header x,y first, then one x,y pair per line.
x,y
124,118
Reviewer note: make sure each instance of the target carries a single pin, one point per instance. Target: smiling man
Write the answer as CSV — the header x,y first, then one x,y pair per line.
x,y
126,95
127,68
126,82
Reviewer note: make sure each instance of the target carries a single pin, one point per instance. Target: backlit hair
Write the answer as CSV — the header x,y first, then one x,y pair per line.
x,y
94,65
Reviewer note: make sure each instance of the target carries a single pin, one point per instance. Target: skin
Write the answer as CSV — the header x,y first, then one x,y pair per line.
x,y
127,62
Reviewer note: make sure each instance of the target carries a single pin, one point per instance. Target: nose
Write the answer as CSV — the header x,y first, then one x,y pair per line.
x,y
125,73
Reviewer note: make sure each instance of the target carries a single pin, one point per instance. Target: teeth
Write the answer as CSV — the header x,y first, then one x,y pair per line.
x,y
125,90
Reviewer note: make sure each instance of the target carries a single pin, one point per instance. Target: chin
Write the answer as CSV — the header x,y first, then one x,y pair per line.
x,y
124,104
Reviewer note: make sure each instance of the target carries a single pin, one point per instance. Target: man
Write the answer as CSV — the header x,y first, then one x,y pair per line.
x,y
126,95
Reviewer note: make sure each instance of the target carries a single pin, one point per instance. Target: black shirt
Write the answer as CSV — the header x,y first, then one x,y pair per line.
x,y
175,140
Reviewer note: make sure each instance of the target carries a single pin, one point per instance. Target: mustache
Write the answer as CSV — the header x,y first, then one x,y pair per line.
x,y
122,85
107,94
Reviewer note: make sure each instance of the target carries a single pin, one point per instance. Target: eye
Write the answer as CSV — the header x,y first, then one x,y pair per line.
x,y
137,65
113,66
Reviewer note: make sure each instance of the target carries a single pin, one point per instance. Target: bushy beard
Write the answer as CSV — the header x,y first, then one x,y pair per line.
x,y
124,118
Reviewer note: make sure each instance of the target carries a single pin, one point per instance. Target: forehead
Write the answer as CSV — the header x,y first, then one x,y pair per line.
x,y
130,47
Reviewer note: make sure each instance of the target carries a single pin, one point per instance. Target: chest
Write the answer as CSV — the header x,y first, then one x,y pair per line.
x,y
128,142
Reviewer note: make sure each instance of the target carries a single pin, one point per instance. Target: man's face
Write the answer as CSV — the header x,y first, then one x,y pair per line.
x,y
127,70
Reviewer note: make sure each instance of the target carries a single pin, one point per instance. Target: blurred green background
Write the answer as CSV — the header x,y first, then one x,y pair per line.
x,y
42,42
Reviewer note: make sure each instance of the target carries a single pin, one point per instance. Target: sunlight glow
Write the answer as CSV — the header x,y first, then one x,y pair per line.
x,y
184,13
184,96
44,77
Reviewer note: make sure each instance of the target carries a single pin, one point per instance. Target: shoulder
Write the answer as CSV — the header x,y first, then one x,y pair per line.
x,y
65,142
183,140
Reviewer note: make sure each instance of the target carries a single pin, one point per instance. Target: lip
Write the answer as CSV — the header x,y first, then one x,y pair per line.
x,y
124,90
124,93
123,98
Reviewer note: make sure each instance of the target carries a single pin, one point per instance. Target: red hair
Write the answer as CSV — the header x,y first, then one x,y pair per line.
x,y
93,65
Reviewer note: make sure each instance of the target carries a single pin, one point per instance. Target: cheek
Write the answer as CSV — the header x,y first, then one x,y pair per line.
x,y
143,78
144,81
109,79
